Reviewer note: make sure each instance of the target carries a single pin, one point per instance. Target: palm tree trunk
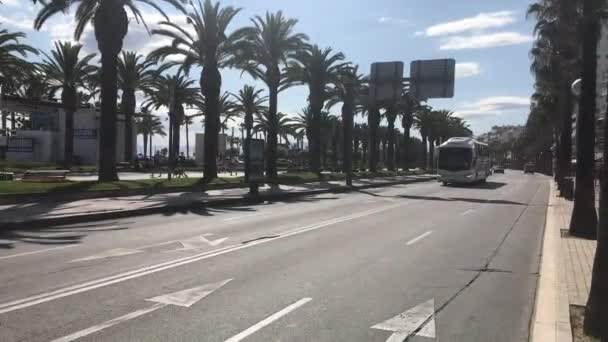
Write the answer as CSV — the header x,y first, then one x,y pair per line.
x,y
111,25
597,303
128,106
347,146
187,141
424,152
13,122
69,99
565,145
151,135
145,145
271,147
584,218
3,133
373,119
392,116
211,83
405,147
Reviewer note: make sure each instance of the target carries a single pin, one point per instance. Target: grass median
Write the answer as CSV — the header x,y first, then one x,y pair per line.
x,y
178,184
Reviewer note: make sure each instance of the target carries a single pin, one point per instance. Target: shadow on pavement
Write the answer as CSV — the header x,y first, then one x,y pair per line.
x,y
444,199
479,186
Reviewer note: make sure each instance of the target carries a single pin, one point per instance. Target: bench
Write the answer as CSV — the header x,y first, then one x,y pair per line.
x,y
47,176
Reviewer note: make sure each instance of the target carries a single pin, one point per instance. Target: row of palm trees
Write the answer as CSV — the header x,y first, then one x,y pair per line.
x,y
567,35
269,50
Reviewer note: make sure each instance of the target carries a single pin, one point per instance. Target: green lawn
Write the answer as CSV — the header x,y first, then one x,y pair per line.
x,y
19,187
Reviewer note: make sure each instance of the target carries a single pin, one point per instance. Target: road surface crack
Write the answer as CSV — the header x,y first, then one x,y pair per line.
x,y
261,238
478,273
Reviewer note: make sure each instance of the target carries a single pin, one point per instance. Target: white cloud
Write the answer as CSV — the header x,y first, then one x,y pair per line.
x,y
468,69
22,23
493,106
392,20
482,41
479,22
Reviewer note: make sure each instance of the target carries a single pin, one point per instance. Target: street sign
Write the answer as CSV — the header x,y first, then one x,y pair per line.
x,y
432,78
386,81
256,160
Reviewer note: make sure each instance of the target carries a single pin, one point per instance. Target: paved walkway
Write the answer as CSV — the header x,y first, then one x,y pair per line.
x,y
577,255
51,210
565,276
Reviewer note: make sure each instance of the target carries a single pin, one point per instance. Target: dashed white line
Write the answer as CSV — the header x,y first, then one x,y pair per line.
x,y
418,238
267,321
115,321
36,252
244,216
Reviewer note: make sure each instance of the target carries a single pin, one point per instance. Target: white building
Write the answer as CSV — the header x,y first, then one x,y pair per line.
x,y
43,141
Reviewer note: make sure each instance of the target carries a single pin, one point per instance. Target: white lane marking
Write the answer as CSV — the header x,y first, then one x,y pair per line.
x,y
187,298
118,278
418,238
244,216
404,324
113,253
36,252
467,212
267,321
198,242
184,298
112,322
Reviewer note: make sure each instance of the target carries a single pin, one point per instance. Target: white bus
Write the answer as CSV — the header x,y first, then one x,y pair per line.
x,y
463,160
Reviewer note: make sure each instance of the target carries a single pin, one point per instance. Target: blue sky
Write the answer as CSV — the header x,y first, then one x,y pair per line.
x,y
490,41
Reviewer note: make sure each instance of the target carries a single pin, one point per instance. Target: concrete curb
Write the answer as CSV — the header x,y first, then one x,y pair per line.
x,y
551,319
101,216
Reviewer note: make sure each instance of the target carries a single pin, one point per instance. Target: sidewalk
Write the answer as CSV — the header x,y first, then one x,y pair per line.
x,y
565,275
108,208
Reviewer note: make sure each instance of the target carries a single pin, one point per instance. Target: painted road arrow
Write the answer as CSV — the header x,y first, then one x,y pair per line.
x,y
117,252
198,242
405,324
184,298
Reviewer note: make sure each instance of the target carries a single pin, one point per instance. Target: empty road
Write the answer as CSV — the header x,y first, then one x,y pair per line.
x,y
419,262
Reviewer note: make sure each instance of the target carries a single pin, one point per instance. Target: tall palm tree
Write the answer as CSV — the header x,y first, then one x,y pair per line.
x,y
269,44
211,48
303,122
584,217
319,69
174,92
65,69
347,91
157,128
249,102
145,124
187,122
391,115
407,107
135,73
423,121
110,22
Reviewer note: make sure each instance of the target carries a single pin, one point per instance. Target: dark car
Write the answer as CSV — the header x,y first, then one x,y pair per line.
x,y
499,169
529,168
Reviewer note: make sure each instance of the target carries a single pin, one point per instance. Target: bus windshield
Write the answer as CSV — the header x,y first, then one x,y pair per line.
x,y
455,159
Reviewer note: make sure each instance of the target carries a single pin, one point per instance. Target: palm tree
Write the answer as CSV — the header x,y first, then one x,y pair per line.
x,y
174,92
557,24
269,44
391,115
347,91
318,69
187,122
303,122
264,122
408,106
110,22
211,48
67,71
135,73
423,121
228,111
584,217
249,102
145,126
157,129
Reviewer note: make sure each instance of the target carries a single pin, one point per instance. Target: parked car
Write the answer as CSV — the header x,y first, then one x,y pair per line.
x,y
529,168
499,169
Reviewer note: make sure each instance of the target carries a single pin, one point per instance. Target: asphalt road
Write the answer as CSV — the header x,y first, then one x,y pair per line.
x,y
419,262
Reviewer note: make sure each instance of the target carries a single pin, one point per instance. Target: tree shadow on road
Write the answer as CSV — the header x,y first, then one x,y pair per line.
x,y
444,199
479,186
